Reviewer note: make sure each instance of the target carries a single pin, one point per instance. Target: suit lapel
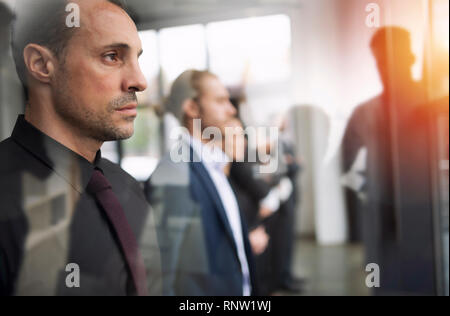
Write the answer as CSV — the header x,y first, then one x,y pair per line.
x,y
209,186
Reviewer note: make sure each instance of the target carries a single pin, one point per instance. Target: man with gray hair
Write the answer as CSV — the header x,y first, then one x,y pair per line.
x,y
204,241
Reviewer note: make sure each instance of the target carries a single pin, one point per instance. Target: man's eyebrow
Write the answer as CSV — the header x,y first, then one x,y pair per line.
x,y
122,46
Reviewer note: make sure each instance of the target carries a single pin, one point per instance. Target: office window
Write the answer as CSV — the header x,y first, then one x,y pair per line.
x,y
181,48
252,49
440,20
149,62
254,53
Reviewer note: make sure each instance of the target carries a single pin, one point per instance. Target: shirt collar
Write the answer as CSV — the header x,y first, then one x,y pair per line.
x,y
73,168
209,155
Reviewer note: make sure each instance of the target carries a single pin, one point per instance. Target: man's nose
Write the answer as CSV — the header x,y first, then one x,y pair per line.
x,y
135,79
231,109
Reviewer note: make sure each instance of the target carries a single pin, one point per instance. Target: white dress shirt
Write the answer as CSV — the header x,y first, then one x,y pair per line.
x,y
215,160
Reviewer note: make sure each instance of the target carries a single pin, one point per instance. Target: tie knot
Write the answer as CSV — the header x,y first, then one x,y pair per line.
x,y
98,182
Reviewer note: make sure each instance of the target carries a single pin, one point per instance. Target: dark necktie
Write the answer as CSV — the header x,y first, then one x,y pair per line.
x,y
101,188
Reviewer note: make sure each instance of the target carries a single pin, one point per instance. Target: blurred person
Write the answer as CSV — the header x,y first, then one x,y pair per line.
x,y
234,146
374,124
250,191
258,197
71,222
205,246
271,200
283,229
371,124
383,127
277,211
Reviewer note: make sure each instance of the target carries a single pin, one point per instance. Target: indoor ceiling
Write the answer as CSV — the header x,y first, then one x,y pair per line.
x,y
149,11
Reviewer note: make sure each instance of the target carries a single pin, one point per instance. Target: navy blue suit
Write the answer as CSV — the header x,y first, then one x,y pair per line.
x,y
199,254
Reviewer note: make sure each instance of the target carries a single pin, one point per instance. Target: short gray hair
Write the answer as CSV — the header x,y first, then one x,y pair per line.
x,y
41,22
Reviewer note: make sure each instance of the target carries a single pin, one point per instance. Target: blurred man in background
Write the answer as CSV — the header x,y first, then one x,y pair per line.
x,y
284,224
249,192
204,240
384,127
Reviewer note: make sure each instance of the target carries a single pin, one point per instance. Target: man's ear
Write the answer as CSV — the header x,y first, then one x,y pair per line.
x,y
191,109
39,61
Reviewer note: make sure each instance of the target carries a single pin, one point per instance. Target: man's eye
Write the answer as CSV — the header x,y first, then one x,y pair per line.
x,y
111,57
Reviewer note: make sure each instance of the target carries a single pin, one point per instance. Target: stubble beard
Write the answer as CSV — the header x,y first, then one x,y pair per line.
x,y
97,125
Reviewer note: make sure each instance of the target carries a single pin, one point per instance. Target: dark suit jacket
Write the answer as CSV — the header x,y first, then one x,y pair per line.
x,y
249,191
199,255
48,220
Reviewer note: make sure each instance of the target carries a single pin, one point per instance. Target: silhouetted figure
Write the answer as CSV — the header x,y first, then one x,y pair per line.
x,y
372,123
398,212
